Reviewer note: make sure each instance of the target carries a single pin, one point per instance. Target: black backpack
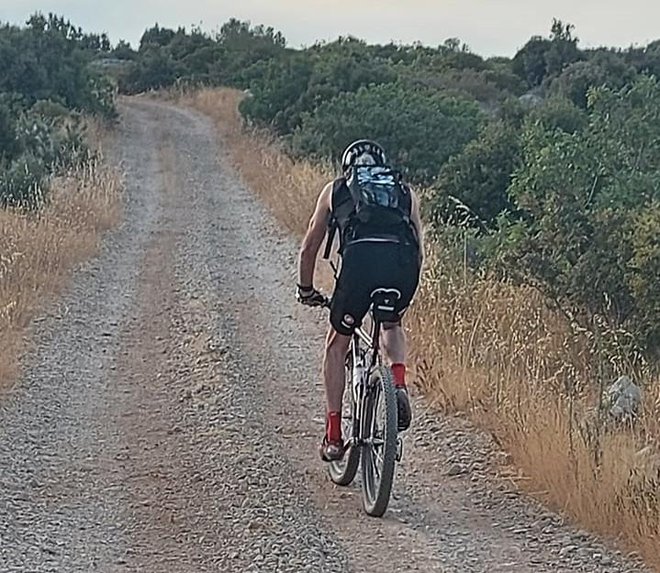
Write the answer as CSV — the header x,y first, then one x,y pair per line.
x,y
381,206
379,196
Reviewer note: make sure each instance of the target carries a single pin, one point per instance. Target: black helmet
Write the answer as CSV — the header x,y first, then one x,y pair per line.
x,y
363,152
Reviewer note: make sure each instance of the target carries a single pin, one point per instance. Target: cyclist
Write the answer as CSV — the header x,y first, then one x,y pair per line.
x,y
371,258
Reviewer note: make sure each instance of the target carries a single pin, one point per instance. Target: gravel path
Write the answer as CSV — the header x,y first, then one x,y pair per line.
x,y
169,416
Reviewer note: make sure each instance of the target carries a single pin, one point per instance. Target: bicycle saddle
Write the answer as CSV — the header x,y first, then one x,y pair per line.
x,y
383,303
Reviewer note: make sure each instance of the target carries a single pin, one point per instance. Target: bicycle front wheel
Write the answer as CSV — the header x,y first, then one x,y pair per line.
x,y
380,446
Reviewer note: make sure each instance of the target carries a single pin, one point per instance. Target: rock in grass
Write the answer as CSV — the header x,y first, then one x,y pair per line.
x,y
623,399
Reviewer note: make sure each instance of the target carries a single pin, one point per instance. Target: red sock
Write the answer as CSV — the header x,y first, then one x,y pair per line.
x,y
333,426
399,371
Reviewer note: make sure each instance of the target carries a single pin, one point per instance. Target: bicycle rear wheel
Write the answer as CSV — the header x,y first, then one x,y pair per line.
x,y
380,448
343,472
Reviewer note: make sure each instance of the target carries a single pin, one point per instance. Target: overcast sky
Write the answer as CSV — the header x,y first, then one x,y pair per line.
x,y
489,27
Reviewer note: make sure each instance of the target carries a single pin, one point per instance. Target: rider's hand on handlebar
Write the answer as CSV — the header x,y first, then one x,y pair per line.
x,y
309,296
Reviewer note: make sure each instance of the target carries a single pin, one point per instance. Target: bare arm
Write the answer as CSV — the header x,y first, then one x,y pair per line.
x,y
311,244
416,219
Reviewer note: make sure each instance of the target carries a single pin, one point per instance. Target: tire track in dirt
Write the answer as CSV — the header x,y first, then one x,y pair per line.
x,y
169,420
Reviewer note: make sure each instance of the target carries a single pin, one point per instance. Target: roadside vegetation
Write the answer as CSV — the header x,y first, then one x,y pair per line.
x,y
56,194
543,167
540,180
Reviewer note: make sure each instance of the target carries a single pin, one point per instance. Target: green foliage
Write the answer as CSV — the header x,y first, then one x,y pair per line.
x,y
285,88
591,200
557,113
278,87
245,45
602,69
472,186
167,57
47,79
46,141
420,128
646,59
153,70
8,141
156,37
123,51
542,58
48,60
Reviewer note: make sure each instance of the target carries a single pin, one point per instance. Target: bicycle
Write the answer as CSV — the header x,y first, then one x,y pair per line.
x,y
374,448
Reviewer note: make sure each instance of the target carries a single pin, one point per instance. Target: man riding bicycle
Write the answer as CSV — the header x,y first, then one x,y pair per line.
x,y
382,251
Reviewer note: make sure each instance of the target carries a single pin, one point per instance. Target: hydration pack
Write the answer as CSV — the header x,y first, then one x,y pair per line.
x,y
379,196
377,205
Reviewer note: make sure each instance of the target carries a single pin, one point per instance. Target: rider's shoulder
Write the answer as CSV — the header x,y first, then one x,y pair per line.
x,y
331,186
325,197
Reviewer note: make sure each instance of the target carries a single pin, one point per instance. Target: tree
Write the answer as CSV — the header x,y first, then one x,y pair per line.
x,y
420,128
277,88
472,186
542,58
123,51
591,200
529,62
153,70
156,37
602,68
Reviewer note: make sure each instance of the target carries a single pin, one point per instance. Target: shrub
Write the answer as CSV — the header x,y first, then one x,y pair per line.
x,y
420,128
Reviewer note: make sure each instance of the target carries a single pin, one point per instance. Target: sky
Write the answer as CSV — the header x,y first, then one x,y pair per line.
x,y
488,27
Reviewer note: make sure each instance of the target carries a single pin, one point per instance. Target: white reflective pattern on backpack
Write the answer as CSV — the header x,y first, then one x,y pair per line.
x,y
378,186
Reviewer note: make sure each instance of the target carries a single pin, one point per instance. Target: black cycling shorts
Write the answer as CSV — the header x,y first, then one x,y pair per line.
x,y
367,267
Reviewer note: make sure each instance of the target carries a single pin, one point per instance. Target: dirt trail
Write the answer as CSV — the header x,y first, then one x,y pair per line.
x,y
169,418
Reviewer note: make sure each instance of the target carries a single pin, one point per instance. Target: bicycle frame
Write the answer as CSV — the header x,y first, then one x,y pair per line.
x,y
372,344
374,445
358,355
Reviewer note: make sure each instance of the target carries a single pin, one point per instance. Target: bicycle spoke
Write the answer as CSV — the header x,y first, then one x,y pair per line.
x,y
375,466
378,458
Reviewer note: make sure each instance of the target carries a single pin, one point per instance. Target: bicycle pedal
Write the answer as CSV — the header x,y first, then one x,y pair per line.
x,y
399,448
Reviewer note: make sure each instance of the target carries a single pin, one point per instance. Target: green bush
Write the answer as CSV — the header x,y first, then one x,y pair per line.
x,y
45,145
420,128
591,203
472,186
47,80
49,60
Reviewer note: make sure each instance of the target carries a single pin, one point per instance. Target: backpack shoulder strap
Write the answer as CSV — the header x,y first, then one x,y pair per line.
x,y
332,221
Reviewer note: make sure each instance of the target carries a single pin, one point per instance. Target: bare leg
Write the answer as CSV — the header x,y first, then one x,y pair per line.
x,y
394,349
393,339
336,347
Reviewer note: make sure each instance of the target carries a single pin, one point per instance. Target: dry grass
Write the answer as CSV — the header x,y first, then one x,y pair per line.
x,y
502,356
39,250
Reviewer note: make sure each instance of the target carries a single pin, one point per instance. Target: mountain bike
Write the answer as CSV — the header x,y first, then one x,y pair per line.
x,y
369,417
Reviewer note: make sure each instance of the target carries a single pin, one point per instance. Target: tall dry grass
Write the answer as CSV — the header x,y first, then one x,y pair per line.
x,y
38,250
501,355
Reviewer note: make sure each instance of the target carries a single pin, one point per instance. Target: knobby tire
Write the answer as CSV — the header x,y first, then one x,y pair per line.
x,y
377,484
